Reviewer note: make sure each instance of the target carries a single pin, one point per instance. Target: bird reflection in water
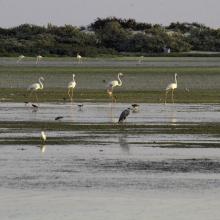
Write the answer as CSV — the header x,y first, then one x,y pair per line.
x,y
42,148
173,118
122,140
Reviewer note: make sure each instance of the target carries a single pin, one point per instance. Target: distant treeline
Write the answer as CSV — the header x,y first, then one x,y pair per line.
x,y
108,36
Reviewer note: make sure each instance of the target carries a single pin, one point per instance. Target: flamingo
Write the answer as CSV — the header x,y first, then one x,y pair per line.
x,y
39,57
113,84
141,58
21,57
71,86
79,58
36,86
171,87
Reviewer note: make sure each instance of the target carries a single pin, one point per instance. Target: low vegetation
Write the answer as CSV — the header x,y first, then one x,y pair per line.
x,y
108,36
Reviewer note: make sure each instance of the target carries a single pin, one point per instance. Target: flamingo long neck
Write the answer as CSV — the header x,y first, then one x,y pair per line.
x,y
175,80
41,83
120,82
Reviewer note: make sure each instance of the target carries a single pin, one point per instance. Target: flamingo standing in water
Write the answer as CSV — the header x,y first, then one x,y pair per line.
x,y
171,87
71,86
38,58
36,86
113,84
21,57
79,58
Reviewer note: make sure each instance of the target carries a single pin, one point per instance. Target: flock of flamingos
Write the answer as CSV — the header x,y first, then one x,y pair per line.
x,y
33,88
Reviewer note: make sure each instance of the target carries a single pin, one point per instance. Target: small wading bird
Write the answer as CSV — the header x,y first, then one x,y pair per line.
x,y
58,118
38,58
79,58
171,87
71,86
43,137
135,108
80,107
124,115
35,87
113,84
21,57
35,108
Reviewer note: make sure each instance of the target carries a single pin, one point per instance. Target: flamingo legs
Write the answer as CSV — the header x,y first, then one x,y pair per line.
x,y
172,96
111,95
70,93
31,93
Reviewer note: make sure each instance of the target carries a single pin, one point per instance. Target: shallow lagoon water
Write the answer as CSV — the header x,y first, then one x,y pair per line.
x,y
108,113
115,175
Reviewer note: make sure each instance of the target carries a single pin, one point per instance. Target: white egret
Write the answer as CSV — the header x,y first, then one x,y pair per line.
x,y
171,87
71,86
43,137
36,86
21,57
38,58
113,84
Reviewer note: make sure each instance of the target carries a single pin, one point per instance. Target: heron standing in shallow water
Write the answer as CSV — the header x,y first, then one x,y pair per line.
x,y
124,115
171,87
113,84
33,88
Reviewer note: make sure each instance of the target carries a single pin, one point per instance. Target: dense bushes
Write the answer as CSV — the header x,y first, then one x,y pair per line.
x,y
107,36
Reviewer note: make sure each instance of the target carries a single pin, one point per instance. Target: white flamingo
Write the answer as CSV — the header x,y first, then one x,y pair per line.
x,y
141,58
35,87
21,57
79,58
171,87
71,86
113,84
38,58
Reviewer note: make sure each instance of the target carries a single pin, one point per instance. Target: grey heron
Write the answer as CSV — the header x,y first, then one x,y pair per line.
x,y
124,115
